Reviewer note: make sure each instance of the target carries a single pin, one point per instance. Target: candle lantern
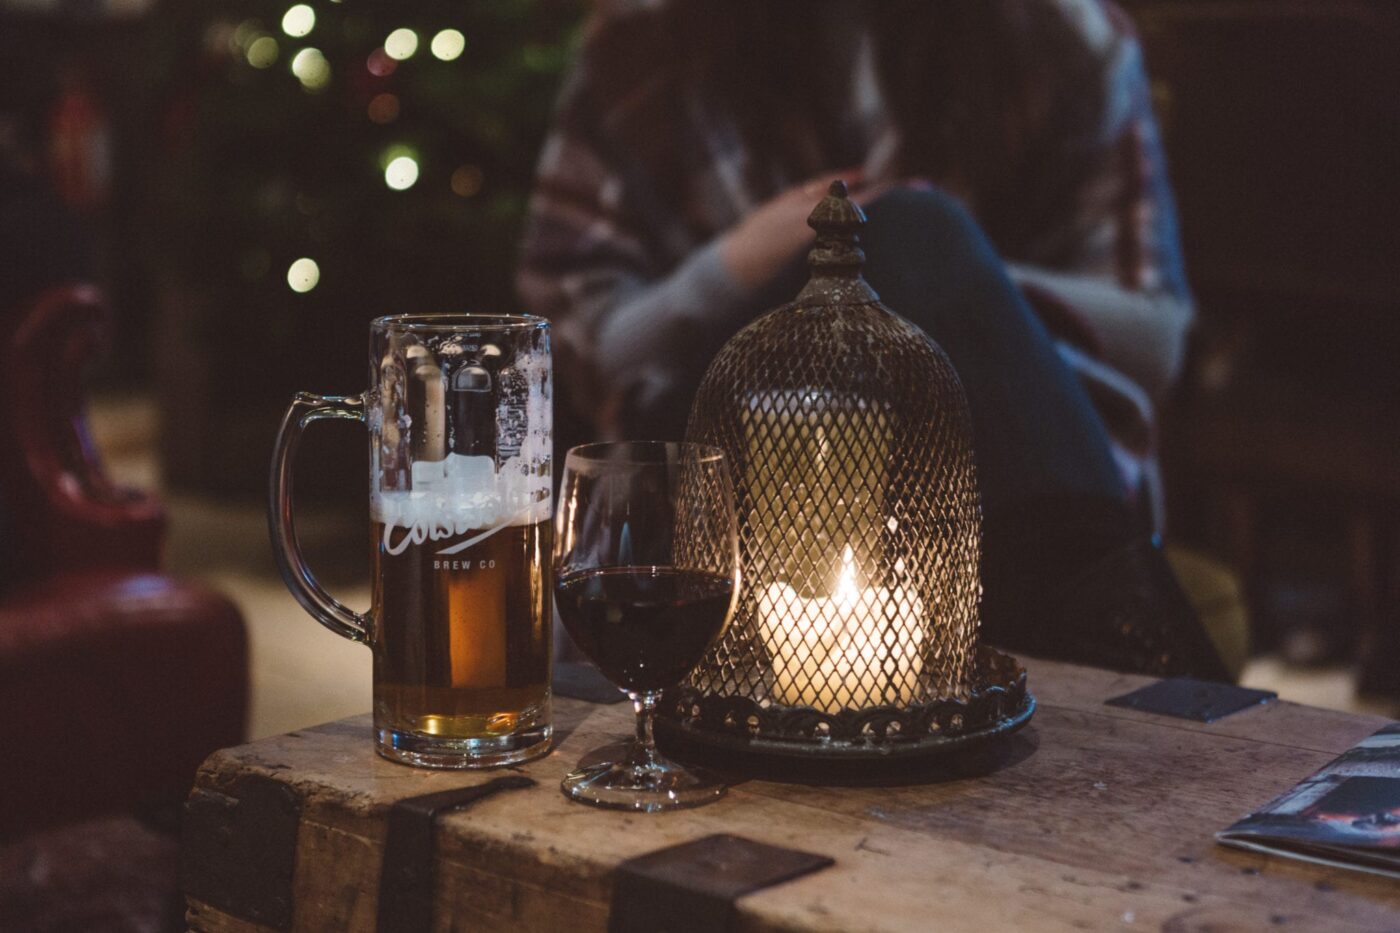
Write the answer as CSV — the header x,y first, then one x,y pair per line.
x,y
855,637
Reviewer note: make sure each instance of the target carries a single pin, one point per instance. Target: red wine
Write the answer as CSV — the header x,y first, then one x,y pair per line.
x,y
645,627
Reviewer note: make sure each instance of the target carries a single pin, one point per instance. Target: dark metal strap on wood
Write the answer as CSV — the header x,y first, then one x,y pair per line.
x,y
238,849
406,879
1188,698
693,887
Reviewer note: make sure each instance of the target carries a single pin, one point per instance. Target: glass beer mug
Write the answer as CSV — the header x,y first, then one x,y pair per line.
x,y
460,431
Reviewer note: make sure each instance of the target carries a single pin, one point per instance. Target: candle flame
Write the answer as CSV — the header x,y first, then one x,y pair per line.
x,y
846,591
836,652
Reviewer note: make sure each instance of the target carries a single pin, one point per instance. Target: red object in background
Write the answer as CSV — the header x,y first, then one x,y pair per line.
x,y
115,680
80,148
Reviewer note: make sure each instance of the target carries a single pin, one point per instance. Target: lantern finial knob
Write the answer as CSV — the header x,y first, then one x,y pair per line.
x,y
837,258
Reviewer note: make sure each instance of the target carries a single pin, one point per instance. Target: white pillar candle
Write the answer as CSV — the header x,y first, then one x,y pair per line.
x,y
857,647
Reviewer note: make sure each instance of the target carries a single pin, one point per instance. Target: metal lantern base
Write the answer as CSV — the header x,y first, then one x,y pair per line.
x,y
882,745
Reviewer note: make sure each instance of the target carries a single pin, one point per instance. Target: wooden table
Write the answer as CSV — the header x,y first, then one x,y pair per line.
x,y
1101,817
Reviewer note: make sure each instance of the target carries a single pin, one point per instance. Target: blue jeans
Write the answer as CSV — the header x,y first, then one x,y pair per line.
x,y
1037,435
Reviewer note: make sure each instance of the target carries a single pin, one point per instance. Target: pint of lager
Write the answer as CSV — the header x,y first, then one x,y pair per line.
x,y
459,416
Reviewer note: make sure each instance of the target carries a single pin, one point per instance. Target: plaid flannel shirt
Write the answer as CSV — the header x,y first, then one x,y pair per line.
x,y
640,178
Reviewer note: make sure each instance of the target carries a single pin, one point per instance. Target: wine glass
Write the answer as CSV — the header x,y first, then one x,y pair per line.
x,y
646,566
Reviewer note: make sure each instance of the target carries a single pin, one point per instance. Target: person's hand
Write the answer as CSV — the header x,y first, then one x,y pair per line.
x,y
758,248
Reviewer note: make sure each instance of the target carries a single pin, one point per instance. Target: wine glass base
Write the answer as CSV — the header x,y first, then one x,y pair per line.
x,y
662,785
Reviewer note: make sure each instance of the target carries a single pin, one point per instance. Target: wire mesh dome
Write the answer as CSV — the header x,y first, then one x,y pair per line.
x,y
850,443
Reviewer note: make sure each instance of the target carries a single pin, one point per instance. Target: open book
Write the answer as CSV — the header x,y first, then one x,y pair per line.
x,y
1347,814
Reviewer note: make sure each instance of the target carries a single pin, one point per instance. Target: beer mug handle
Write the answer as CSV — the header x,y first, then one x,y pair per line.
x,y
324,607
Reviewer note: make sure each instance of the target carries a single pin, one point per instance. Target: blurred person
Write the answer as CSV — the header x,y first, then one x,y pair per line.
x,y
1020,213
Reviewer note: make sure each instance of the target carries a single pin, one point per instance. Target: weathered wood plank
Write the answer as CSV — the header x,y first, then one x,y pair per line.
x,y
1279,723
1098,817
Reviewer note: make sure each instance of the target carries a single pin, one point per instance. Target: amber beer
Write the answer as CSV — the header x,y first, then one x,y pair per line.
x,y
462,641
460,416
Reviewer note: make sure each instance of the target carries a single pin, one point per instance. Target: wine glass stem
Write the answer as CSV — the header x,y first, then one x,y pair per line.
x,y
644,752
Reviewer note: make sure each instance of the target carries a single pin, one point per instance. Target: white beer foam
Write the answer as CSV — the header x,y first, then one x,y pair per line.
x,y
460,494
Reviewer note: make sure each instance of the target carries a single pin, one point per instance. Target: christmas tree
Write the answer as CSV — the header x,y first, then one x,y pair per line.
x,y
323,163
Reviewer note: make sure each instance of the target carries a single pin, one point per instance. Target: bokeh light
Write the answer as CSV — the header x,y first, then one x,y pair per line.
x,y
401,44
247,31
311,69
298,20
384,108
262,52
448,45
379,64
466,181
401,172
303,275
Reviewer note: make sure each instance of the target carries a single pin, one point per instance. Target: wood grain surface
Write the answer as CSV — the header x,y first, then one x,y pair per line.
x,y
1094,817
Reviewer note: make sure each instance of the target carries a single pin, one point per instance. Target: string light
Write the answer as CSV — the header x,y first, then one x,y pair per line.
x,y
466,181
401,173
379,64
448,45
311,69
400,164
247,31
303,275
384,108
262,52
298,20
401,44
